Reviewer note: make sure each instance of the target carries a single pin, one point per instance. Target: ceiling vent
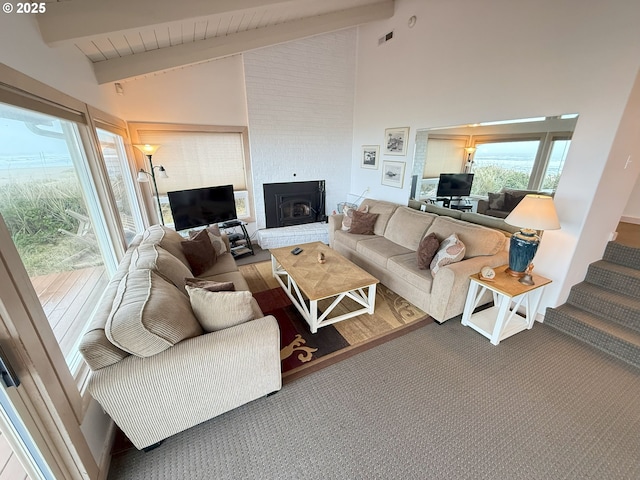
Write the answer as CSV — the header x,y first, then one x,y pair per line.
x,y
386,38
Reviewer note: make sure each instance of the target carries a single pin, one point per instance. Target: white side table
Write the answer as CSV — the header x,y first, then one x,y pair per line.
x,y
502,320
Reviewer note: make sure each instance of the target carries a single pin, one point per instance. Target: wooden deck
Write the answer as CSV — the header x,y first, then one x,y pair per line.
x,y
68,298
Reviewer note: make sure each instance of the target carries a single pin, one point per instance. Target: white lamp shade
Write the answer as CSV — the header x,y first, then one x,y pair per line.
x,y
536,212
146,148
142,176
162,173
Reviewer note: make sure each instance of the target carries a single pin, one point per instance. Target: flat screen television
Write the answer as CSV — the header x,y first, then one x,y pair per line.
x,y
202,206
455,184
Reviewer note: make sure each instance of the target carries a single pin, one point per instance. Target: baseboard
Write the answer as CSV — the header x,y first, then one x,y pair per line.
x,y
105,459
634,220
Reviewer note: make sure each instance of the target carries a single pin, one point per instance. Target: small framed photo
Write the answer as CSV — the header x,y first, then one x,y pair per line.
x,y
393,173
370,156
396,140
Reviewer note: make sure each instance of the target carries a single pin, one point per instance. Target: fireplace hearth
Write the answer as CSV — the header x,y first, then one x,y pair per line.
x,y
294,203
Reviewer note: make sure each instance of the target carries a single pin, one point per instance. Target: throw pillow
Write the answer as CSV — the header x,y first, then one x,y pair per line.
x,y
210,285
451,251
511,201
427,249
348,215
496,201
199,252
362,223
215,236
220,310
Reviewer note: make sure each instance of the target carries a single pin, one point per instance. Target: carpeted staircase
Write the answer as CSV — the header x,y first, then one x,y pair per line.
x,y
604,309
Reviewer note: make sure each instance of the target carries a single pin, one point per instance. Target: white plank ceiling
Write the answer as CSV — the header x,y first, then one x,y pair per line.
x,y
131,38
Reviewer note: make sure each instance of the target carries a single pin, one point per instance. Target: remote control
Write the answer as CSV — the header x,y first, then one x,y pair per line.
x,y
296,250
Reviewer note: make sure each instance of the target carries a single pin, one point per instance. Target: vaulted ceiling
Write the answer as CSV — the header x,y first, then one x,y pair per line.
x,y
130,38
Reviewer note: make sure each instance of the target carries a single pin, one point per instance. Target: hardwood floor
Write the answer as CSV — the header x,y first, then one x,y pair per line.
x,y
628,234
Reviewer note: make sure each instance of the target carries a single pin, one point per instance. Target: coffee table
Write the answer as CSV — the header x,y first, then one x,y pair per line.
x,y
306,281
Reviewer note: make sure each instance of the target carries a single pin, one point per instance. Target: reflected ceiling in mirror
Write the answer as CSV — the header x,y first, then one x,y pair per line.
x,y
522,154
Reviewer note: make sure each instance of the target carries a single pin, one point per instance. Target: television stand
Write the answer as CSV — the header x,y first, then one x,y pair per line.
x,y
448,203
239,242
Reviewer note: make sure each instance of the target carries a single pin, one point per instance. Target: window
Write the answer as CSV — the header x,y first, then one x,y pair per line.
x,y
503,164
559,150
120,178
48,203
196,157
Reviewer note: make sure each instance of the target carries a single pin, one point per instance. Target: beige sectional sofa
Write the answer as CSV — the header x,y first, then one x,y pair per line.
x,y
155,370
390,254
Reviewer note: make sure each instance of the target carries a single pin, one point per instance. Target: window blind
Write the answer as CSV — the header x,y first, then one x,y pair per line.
x,y
197,159
445,156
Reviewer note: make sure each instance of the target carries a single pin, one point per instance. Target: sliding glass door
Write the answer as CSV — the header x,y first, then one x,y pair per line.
x,y
48,205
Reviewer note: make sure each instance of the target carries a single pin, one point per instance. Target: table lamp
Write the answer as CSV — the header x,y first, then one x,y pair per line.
x,y
534,212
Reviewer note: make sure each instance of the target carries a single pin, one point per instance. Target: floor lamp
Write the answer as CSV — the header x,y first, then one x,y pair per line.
x,y
143,175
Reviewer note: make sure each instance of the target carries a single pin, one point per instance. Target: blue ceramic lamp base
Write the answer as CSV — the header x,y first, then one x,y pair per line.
x,y
522,249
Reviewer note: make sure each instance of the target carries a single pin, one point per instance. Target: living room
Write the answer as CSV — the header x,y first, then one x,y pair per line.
x,y
462,62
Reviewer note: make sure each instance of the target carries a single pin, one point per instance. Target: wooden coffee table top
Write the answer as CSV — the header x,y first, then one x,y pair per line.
x,y
321,280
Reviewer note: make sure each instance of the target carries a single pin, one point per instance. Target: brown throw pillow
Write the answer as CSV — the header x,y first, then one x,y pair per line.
x,y
427,249
511,201
210,285
199,252
362,223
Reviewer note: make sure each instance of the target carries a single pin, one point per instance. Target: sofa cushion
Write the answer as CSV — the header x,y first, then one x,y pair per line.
x,y
166,238
219,310
199,252
477,239
363,223
427,249
210,285
149,315
406,227
439,210
406,268
348,239
224,263
379,249
451,251
384,211
153,257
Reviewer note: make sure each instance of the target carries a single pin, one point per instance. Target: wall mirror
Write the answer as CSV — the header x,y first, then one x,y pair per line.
x,y
523,154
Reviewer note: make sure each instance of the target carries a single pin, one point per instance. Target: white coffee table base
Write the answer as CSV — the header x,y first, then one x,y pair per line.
x,y
309,308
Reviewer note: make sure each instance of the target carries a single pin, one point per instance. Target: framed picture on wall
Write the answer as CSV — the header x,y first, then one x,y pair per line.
x,y
396,140
370,156
393,173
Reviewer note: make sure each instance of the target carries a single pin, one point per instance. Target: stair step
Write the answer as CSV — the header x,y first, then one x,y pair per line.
x,y
619,278
611,305
622,255
617,340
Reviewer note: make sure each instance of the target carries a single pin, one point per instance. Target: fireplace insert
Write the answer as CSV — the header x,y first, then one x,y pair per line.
x,y
294,203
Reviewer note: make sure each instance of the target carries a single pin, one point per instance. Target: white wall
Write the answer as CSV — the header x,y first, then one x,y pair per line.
x,y
63,68
300,101
210,93
467,61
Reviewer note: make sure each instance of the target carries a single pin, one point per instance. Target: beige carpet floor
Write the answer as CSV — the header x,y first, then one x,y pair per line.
x,y
438,403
